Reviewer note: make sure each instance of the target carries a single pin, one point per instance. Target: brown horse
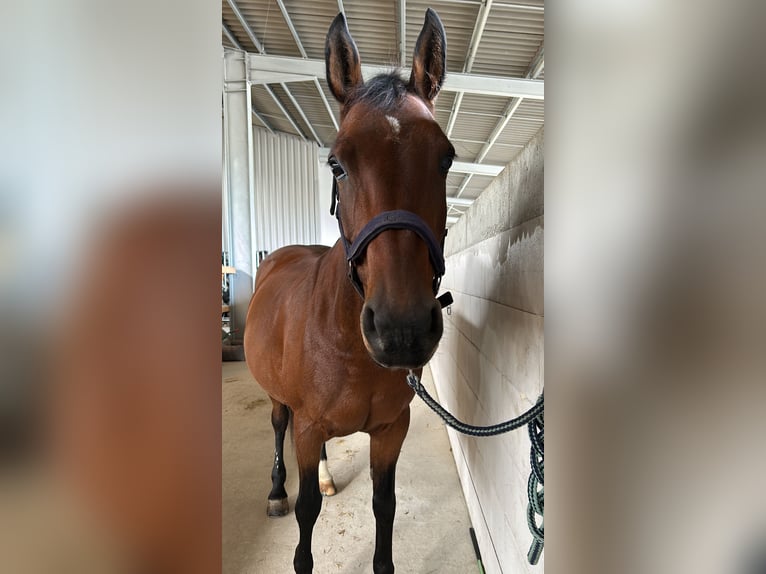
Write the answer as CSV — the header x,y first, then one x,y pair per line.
x,y
336,360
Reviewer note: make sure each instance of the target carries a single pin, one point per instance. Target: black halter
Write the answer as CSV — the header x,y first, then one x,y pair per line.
x,y
396,219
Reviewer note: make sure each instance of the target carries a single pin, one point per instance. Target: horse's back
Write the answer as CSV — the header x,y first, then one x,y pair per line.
x,y
288,262
277,312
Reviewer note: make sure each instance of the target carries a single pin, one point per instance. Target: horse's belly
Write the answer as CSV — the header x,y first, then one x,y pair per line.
x,y
261,358
277,316
263,342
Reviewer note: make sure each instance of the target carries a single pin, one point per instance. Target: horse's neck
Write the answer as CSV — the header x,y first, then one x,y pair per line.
x,y
346,302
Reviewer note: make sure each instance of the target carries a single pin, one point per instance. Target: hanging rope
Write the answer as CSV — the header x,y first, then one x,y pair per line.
x,y
533,418
414,382
535,485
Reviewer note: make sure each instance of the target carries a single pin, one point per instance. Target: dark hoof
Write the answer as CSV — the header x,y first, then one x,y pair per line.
x,y
278,507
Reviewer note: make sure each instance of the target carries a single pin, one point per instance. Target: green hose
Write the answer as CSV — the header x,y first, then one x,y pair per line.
x,y
472,532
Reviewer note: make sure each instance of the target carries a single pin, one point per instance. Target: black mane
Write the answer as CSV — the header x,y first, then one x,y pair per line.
x,y
384,91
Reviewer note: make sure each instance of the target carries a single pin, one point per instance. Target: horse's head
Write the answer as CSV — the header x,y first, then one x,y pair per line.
x,y
391,157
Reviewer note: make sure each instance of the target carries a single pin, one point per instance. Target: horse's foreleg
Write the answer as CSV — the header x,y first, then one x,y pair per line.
x,y
326,483
308,444
280,416
385,445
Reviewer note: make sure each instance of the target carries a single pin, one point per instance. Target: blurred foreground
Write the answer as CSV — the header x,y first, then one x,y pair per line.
x,y
655,283
120,441
109,288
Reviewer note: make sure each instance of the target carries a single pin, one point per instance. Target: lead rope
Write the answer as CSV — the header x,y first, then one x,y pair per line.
x,y
534,419
535,485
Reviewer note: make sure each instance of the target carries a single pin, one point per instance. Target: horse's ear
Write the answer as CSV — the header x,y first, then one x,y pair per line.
x,y
344,70
429,63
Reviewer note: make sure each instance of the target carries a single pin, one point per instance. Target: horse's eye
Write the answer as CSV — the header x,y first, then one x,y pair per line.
x,y
337,169
446,163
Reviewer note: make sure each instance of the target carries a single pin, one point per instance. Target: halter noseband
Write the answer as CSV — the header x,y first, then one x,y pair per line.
x,y
396,219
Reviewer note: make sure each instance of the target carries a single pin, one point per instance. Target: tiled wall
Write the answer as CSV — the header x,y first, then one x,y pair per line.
x,y
489,365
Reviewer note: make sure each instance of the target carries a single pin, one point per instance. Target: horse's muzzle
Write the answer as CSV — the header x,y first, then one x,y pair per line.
x,y
402,339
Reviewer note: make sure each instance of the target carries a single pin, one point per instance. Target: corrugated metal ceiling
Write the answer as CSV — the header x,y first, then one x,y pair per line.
x,y
510,44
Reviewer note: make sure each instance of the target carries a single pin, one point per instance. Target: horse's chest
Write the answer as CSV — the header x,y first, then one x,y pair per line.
x,y
365,409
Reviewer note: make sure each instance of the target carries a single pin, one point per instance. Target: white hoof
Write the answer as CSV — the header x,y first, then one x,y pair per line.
x,y
326,483
327,487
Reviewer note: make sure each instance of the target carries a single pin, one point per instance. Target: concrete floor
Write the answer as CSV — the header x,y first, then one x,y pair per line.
x,y
431,527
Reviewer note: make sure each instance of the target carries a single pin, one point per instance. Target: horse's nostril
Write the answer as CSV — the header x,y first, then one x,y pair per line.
x,y
405,338
368,320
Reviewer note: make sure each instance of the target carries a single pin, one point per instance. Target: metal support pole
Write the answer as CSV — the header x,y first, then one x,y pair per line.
x,y
238,142
402,17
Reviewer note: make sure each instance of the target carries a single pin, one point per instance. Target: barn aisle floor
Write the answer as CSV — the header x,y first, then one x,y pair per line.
x,y
431,527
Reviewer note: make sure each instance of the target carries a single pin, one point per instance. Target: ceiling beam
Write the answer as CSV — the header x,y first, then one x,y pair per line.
x,y
478,32
231,37
453,113
538,63
535,67
301,49
257,77
293,77
455,82
259,46
262,120
464,184
318,86
245,25
510,109
289,23
303,115
522,7
285,112
461,201
484,169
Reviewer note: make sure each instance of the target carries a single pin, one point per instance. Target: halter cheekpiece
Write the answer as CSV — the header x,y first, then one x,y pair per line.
x,y
395,219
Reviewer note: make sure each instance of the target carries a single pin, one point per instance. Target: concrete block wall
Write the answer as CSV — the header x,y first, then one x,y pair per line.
x,y
489,365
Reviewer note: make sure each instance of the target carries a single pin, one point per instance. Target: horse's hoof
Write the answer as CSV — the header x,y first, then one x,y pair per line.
x,y
327,487
278,507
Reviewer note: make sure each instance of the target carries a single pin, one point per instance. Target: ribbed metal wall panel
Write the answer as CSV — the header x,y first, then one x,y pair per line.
x,y
286,192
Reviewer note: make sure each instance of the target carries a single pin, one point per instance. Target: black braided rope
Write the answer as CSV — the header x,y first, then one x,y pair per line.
x,y
535,490
414,382
534,419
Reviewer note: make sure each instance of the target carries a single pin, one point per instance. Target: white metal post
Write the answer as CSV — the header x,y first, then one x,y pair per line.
x,y
239,169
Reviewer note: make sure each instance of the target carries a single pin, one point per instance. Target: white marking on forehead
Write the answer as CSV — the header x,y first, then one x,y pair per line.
x,y
394,124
